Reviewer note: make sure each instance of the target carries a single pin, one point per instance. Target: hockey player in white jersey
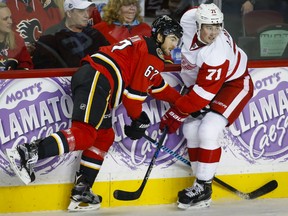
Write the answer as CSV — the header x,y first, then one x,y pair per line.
x,y
214,69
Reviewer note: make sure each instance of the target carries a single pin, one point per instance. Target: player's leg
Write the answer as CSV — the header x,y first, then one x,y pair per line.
x,y
90,165
90,92
207,156
99,116
226,107
190,132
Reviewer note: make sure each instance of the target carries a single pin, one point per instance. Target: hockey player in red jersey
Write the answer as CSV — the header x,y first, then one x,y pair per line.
x,y
125,72
214,69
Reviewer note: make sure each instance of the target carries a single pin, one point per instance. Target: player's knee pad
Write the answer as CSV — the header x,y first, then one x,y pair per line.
x,y
105,138
211,127
84,135
190,132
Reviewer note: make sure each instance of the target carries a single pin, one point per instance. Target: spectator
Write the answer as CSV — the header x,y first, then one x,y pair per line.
x,y
52,10
95,16
13,52
71,20
31,20
122,19
70,40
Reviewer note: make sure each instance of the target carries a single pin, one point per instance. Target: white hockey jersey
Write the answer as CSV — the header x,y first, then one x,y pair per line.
x,y
208,67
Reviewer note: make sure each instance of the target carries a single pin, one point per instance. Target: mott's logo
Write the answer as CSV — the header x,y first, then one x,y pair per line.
x,y
23,93
33,108
262,126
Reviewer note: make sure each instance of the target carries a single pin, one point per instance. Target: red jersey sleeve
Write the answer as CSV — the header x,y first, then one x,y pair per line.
x,y
162,91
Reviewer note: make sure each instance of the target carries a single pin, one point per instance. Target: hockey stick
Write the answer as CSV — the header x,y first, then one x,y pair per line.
x,y
133,195
266,188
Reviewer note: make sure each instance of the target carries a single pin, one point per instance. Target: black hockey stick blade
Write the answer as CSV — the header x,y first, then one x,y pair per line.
x,y
267,188
133,195
127,195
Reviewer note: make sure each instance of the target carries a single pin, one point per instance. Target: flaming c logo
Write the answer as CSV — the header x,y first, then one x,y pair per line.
x,y
29,30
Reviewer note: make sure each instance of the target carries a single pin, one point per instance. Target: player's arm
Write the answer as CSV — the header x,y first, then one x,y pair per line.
x,y
209,81
139,119
164,92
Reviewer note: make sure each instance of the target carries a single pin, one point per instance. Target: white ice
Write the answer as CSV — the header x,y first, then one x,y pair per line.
x,y
263,207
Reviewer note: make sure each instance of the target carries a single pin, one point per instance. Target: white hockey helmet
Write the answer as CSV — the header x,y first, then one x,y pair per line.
x,y
208,14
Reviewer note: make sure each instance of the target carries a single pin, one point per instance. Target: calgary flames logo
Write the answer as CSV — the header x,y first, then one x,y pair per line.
x,y
29,30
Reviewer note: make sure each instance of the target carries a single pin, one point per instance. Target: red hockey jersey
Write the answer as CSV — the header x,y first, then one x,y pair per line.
x,y
133,69
30,20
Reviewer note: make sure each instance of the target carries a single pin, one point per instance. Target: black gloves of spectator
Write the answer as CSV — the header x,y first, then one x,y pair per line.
x,y
138,127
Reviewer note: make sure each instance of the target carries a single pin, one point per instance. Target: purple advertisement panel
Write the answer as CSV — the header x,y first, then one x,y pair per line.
x,y
260,132
30,109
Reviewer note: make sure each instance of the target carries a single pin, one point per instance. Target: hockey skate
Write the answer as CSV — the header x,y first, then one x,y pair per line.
x,y
23,159
82,197
197,196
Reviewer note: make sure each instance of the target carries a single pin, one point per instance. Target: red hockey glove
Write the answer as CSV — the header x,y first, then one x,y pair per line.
x,y
172,119
138,127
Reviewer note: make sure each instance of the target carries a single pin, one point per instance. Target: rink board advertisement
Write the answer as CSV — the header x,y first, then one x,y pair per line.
x,y
36,107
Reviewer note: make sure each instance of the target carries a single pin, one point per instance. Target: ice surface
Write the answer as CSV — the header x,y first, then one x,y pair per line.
x,y
263,207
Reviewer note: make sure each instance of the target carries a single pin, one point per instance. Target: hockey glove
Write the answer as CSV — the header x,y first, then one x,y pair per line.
x,y
138,127
172,119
